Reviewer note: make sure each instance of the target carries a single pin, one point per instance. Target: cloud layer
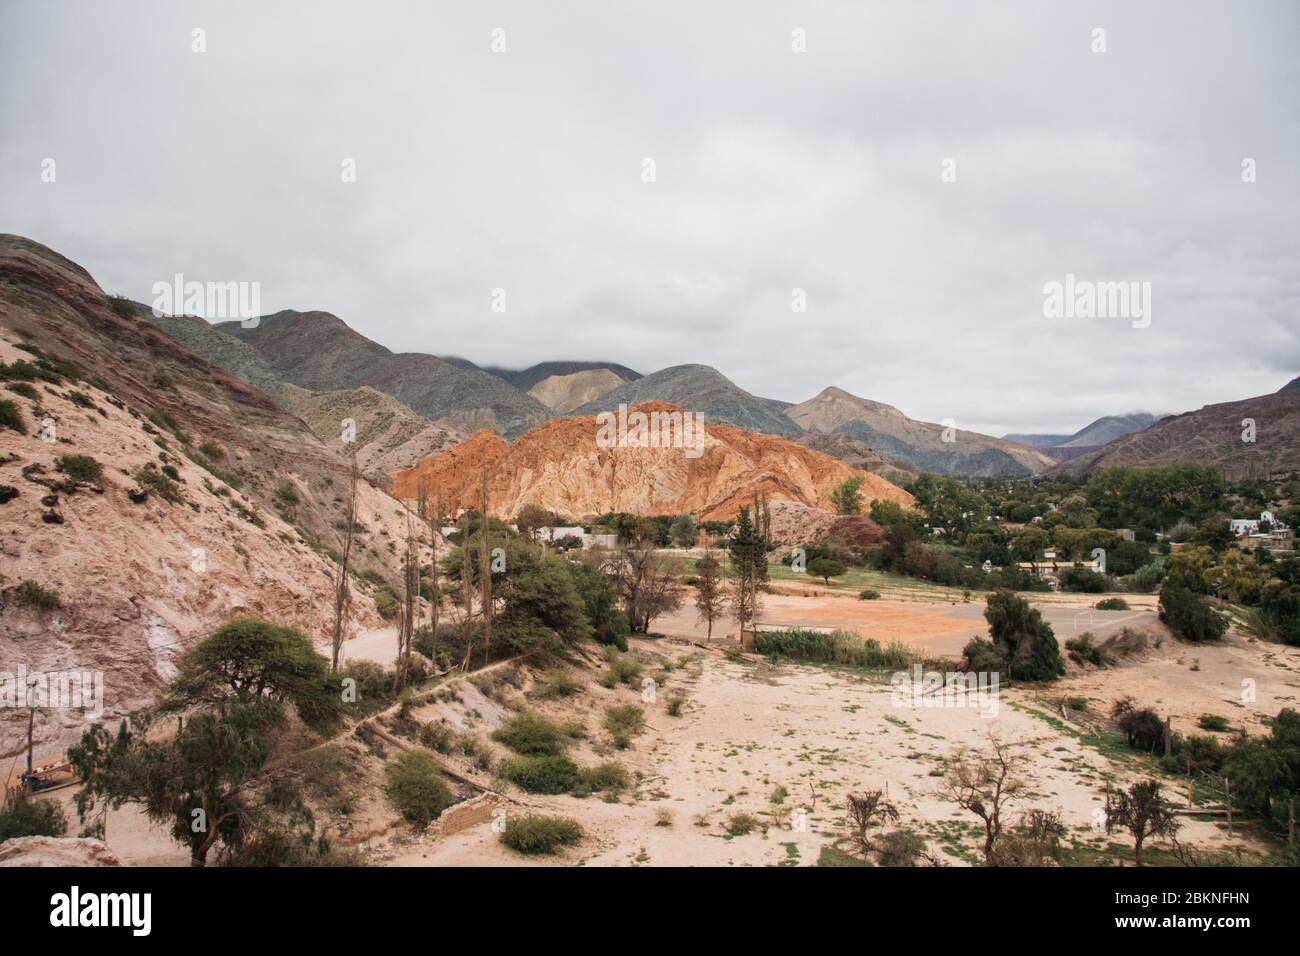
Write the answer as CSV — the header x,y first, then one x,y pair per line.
x,y
775,170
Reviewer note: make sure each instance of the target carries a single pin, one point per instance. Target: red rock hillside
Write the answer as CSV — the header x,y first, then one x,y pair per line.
x,y
559,466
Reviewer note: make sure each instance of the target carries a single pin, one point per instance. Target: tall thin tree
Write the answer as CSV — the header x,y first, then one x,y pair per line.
x,y
341,595
485,571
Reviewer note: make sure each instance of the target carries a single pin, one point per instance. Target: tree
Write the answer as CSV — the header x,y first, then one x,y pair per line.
x,y
867,809
600,598
648,583
825,568
531,519
250,660
709,597
1031,648
683,531
985,784
341,595
1029,544
749,567
197,781
1142,812
846,497
1189,615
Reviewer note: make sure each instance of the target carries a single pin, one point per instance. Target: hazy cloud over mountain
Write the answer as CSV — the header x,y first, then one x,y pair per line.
x,y
522,170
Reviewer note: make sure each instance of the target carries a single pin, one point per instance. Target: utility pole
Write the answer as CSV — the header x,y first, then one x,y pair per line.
x,y
31,720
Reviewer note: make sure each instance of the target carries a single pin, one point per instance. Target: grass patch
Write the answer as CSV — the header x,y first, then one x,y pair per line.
x,y
534,833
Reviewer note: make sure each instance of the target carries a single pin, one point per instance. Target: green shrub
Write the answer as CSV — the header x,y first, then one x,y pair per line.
x,y
674,705
608,777
80,399
1190,615
623,723
868,594
531,735
11,417
558,683
836,647
416,788
1112,604
1083,650
1213,722
534,833
30,595
899,848
622,670
25,390
25,816
80,468
740,824
552,774
155,481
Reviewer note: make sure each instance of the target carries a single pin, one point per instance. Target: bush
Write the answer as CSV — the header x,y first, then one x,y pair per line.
x,y
1213,722
867,594
1142,728
608,777
1082,650
1081,579
153,480
531,735
415,786
899,848
25,390
11,417
1190,615
24,816
622,670
33,597
985,657
551,774
534,833
1112,604
624,723
837,647
740,824
558,684
81,468
674,705
1031,648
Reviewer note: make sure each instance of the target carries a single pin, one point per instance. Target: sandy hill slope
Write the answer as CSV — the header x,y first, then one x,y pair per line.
x,y
701,390
913,443
564,393
319,351
1211,436
559,465
246,525
526,378
389,436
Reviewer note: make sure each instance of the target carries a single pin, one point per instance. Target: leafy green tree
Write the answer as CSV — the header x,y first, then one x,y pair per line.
x,y
248,659
749,569
1189,615
825,568
198,781
1031,648
683,531
846,497
600,598
1029,543
1142,812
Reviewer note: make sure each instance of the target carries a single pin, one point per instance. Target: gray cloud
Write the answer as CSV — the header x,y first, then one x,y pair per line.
x,y
775,170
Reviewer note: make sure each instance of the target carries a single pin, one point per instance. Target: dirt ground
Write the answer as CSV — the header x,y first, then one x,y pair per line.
x,y
749,728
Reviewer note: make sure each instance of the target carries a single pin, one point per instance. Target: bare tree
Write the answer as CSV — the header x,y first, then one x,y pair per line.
x,y
648,584
868,809
1142,812
710,598
1033,841
485,555
984,784
341,595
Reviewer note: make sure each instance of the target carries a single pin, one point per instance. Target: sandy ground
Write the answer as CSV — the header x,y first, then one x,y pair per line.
x,y
820,734
939,629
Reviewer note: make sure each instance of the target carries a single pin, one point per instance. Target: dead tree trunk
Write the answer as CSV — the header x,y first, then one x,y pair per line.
x,y
485,554
341,591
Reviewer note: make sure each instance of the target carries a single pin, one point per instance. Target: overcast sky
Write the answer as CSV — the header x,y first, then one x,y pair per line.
x,y
774,170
